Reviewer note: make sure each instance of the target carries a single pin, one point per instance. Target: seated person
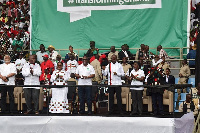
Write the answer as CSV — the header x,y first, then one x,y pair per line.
x,y
164,65
189,105
58,59
71,52
91,50
112,52
125,52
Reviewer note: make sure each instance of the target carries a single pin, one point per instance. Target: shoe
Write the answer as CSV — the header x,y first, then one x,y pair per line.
x,y
27,112
161,114
121,113
109,113
37,112
133,113
89,113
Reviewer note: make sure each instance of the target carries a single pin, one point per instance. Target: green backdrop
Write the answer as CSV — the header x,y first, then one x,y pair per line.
x,y
166,26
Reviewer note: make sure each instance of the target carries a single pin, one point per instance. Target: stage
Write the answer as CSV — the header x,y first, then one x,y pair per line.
x,y
90,124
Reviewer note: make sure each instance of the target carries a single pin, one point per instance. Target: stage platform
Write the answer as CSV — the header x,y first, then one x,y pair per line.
x,y
88,124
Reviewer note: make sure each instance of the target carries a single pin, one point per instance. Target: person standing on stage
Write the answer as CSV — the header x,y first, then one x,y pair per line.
x,y
115,71
59,101
154,78
7,76
137,76
32,71
85,72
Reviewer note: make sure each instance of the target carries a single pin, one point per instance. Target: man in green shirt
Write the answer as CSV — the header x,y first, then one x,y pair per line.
x,y
17,44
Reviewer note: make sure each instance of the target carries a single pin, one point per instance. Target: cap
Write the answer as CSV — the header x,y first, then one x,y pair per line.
x,y
46,55
51,46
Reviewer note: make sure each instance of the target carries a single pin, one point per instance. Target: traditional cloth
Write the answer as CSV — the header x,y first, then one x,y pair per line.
x,y
59,101
72,65
111,53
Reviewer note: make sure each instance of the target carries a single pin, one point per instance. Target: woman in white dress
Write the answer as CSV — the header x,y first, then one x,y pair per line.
x,y
59,101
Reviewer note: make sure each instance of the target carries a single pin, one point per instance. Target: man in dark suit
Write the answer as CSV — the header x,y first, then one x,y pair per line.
x,y
124,52
169,79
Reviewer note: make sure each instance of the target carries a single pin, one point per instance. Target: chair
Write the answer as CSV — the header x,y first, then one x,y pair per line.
x,y
17,97
176,80
168,99
146,100
71,92
41,99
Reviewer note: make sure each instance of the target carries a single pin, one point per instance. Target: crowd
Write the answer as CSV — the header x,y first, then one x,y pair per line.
x,y
48,68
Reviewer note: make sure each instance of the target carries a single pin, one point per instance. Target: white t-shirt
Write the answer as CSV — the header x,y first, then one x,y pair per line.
x,y
20,63
40,56
139,74
5,70
85,71
72,65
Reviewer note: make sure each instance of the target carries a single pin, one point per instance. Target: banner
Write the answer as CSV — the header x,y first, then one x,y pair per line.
x,y
109,22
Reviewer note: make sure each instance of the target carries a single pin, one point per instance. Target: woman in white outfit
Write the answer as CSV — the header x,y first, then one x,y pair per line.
x,y
59,101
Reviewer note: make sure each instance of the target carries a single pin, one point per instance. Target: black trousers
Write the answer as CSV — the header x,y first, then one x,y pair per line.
x,y
32,94
157,98
137,102
4,91
111,91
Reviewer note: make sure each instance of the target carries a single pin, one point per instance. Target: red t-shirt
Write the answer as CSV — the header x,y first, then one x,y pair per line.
x,y
47,64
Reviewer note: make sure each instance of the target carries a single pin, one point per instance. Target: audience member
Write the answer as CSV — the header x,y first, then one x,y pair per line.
x,y
162,52
140,53
58,59
47,64
97,67
52,53
124,52
91,50
71,52
112,52
72,64
192,55
41,53
126,68
169,79
184,75
31,71
164,65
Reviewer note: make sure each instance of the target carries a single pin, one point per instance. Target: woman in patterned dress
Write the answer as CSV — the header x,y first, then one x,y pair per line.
x,y
59,101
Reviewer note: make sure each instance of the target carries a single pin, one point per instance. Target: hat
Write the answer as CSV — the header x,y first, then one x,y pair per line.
x,y
46,55
51,46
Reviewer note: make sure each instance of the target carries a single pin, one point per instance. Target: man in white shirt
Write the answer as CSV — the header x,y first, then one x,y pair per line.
x,y
41,53
32,71
72,64
7,77
85,72
115,71
52,53
19,65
